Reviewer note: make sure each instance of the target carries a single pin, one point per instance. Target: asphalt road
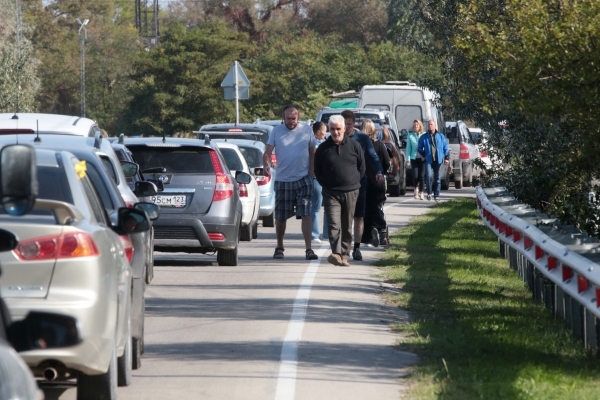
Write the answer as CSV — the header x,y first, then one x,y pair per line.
x,y
272,329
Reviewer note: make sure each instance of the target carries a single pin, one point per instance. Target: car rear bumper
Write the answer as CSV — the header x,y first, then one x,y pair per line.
x,y
179,233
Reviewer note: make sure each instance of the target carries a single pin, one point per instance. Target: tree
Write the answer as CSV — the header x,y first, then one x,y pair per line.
x,y
176,86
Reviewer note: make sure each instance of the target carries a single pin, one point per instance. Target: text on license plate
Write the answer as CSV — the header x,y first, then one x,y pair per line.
x,y
169,201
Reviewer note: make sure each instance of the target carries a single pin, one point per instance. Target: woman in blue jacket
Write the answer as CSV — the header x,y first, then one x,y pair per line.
x,y
434,148
414,159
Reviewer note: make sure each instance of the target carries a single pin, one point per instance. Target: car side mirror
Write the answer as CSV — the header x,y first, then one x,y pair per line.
x,y
259,171
151,209
159,185
132,221
243,177
8,241
144,189
44,330
18,179
130,169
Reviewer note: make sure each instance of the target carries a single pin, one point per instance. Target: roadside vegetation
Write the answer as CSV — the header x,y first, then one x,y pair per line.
x,y
473,323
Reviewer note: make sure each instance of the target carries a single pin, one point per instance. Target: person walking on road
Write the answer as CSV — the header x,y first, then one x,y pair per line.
x,y
320,131
295,144
414,159
371,158
374,220
433,147
339,168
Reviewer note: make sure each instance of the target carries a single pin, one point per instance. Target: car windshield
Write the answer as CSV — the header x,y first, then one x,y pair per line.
x,y
183,160
232,159
253,156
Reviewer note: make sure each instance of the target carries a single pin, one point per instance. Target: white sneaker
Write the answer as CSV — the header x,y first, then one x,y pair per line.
x,y
317,241
416,193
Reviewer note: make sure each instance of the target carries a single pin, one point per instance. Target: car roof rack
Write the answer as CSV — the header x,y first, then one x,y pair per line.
x,y
121,138
97,140
400,83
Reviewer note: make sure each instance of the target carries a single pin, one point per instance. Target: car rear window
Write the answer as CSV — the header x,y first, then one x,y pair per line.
x,y
182,160
452,134
238,133
232,159
253,156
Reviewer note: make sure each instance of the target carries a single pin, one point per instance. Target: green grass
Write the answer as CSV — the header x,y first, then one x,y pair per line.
x,y
473,323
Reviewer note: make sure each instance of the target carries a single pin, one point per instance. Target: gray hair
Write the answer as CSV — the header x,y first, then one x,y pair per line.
x,y
336,119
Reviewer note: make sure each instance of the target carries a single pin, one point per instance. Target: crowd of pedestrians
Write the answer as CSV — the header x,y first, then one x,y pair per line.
x,y
343,172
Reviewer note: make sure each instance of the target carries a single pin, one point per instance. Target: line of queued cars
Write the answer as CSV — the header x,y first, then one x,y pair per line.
x,y
84,251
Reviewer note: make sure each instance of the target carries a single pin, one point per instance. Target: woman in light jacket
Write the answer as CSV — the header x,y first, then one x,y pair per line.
x,y
414,159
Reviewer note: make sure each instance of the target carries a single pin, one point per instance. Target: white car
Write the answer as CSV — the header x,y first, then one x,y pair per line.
x,y
249,194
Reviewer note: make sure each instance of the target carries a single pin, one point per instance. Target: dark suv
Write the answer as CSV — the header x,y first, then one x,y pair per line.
x,y
200,206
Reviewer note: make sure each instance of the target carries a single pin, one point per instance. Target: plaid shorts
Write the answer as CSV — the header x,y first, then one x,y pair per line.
x,y
290,195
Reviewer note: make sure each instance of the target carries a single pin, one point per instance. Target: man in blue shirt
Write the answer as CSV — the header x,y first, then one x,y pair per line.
x,y
371,156
434,148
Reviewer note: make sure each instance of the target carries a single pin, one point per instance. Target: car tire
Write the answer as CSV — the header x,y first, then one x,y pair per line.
x,y
246,233
467,169
137,344
99,387
458,184
269,220
255,230
394,190
228,258
124,363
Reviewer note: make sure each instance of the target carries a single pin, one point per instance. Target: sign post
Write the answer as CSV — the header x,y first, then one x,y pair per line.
x,y
236,87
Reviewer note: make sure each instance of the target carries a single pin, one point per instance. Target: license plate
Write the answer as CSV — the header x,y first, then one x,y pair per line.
x,y
169,201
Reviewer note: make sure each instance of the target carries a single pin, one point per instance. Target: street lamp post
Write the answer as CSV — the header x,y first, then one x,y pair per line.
x,y
82,38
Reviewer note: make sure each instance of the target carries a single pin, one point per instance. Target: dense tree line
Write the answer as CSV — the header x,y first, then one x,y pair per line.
x,y
524,70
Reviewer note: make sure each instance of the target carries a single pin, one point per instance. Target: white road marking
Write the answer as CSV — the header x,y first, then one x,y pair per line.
x,y
286,380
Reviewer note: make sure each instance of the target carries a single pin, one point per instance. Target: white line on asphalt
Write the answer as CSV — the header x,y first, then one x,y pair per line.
x,y
286,381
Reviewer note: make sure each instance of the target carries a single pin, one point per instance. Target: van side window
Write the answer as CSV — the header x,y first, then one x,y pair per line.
x,y
378,106
405,115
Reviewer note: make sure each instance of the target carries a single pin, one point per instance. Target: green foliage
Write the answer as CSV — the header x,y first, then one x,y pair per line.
x,y
176,86
473,323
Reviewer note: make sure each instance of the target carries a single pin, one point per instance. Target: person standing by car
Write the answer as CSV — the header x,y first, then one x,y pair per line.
x,y
371,158
433,147
339,168
374,220
414,159
295,145
320,132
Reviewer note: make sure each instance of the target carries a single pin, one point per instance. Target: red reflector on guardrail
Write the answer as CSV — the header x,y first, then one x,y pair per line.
x,y
528,243
539,253
516,236
567,273
582,284
552,263
502,227
598,297
497,222
508,231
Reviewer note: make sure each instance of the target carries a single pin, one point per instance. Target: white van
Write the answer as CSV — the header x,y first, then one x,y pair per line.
x,y
407,101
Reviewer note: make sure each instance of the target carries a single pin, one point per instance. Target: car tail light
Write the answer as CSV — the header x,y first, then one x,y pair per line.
x,y
66,245
129,204
598,297
464,152
223,184
243,190
273,160
216,236
263,180
128,245
14,131
482,154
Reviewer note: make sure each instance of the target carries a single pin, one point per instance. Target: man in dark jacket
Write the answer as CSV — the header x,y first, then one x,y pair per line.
x,y
339,167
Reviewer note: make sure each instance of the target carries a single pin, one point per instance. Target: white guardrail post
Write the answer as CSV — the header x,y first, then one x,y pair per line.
x,y
557,262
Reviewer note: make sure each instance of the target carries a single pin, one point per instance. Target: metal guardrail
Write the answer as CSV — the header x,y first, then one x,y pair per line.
x,y
558,262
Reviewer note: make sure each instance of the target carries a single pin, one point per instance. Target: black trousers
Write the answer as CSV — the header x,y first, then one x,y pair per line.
x,y
339,208
418,172
374,216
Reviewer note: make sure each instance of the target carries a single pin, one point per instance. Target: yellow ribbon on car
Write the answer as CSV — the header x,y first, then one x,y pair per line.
x,y
80,169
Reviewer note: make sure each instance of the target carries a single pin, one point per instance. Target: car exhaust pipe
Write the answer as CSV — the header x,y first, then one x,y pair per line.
x,y
50,374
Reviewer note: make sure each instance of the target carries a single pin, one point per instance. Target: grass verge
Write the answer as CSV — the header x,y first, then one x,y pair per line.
x,y
473,323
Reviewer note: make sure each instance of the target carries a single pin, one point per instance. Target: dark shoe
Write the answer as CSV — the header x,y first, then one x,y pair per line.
x,y
383,238
310,255
335,259
356,255
374,237
278,253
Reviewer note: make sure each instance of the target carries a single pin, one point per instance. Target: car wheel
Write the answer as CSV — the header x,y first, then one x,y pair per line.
x,y
246,233
228,258
99,387
269,221
124,363
255,230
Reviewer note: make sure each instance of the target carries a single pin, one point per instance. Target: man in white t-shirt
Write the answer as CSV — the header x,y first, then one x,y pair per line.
x,y
295,145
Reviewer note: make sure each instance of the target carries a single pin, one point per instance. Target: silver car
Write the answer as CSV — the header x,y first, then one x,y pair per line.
x,y
71,259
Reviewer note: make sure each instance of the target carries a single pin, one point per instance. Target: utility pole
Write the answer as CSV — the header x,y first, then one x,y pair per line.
x,y
146,21
19,29
83,37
